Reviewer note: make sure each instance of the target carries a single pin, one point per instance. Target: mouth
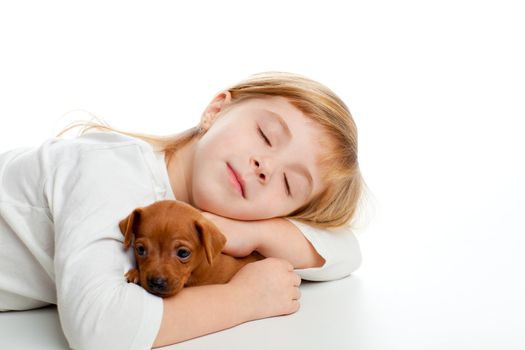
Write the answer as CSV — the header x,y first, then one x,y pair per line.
x,y
162,294
163,291
237,181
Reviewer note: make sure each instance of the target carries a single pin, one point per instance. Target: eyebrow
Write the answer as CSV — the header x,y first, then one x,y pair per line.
x,y
299,167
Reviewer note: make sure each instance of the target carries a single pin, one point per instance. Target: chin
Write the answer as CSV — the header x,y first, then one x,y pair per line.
x,y
228,212
237,215
227,208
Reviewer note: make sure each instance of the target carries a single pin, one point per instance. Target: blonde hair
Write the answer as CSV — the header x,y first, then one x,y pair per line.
x,y
337,205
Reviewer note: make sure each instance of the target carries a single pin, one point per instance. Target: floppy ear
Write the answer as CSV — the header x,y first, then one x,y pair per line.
x,y
128,226
211,238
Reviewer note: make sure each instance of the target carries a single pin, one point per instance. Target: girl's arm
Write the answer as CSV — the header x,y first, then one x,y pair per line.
x,y
280,238
261,289
274,237
316,254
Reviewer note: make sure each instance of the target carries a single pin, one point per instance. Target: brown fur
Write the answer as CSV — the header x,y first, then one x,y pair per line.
x,y
167,228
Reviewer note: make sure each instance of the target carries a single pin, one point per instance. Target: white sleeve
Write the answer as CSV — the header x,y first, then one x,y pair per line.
x,y
339,248
88,196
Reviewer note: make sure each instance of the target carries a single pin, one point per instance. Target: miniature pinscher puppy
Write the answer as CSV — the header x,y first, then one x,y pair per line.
x,y
176,246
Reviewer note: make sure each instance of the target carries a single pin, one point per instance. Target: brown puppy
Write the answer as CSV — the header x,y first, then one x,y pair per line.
x,y
176,246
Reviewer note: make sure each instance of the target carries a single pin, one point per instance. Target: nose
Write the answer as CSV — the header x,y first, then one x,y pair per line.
x,y
262,169
157,283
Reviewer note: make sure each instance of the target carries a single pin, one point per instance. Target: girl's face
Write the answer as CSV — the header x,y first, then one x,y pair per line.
x,y
276,161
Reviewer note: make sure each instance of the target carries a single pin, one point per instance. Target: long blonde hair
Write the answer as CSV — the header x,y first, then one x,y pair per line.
x,y
337,205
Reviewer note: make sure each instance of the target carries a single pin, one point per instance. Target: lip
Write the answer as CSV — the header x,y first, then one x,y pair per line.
x,y
238,179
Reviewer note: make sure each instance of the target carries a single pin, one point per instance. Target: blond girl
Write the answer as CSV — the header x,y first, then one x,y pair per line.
x,y
273,163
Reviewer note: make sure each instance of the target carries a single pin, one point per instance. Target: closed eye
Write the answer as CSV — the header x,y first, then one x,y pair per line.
x,y
264,137
269,144
287,186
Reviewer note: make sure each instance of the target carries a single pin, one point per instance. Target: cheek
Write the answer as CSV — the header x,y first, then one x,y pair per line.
x,y
222,137
230,139
213,195
208,192
177,272
147,267
144,272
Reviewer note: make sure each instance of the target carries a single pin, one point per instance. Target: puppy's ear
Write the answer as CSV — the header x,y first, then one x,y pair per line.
x,y
211,238
128,226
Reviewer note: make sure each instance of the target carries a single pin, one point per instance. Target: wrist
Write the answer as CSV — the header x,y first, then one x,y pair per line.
x,y
244,303
269,236
259,233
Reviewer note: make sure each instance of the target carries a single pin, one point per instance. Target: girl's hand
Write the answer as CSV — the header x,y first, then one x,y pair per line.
x,y
240,235
268,288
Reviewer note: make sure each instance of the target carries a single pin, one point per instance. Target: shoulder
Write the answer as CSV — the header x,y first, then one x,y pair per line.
x,y
101,170
105,157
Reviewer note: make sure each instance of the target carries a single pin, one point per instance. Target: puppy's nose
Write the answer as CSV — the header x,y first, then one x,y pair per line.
x,y
157,283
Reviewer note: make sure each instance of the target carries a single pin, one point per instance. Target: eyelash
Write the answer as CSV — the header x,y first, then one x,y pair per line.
x,y
287,186
264,137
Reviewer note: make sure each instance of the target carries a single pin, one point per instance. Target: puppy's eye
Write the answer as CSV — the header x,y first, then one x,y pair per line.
x,y
141,251
183,254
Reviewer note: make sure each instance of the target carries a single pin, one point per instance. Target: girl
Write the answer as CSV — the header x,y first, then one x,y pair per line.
x,y
275,145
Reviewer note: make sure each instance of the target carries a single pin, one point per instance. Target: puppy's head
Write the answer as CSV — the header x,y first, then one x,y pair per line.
x,y
170,239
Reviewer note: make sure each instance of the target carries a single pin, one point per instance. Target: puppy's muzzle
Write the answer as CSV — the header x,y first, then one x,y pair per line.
x,y
158,284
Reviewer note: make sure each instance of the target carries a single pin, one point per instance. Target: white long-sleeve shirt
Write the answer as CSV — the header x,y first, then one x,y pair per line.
x,y
60,204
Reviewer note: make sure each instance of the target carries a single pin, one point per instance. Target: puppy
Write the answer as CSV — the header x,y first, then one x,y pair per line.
x,y
176,246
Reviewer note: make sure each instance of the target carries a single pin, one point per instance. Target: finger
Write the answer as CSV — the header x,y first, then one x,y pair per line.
x,y
297,280
285,264
294,306
297,294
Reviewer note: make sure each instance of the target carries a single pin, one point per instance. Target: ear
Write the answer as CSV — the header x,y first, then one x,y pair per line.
x,y
210,114
129,225
211,238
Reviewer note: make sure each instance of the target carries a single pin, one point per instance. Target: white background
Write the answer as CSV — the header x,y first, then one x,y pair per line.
x,y
437,90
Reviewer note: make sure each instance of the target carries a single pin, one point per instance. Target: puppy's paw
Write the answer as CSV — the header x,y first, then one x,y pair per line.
x,y
132,276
